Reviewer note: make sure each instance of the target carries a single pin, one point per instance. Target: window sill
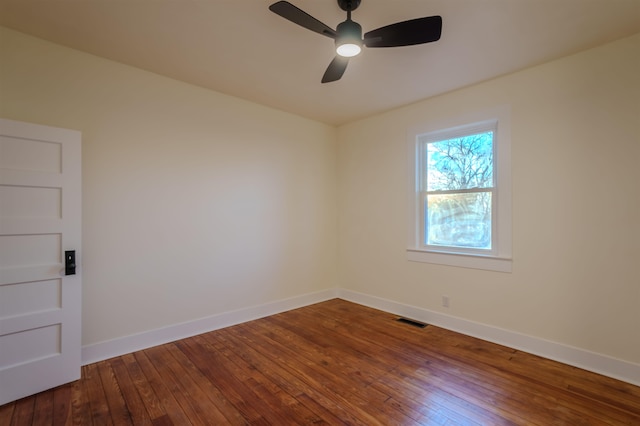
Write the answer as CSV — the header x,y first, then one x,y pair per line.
x,y
488,263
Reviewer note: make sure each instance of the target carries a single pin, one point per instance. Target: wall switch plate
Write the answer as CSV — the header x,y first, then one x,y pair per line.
x,y
445,301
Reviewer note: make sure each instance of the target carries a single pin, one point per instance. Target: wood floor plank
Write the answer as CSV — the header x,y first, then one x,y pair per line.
x,y
202,390
195,386
359,365
331,363
270,391
145,390
488,369
80,404
495,382
62,396
212,365
134,403
43,409
591,385
258,353
563,403
164,420
100,414
401,359
6,413
117,406
23,411
180,387
164,389
313,363
432,400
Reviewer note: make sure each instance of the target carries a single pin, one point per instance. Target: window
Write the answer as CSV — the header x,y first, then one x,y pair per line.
x,y
461,199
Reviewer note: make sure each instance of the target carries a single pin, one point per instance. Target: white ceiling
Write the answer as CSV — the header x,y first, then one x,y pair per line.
x,y
242,49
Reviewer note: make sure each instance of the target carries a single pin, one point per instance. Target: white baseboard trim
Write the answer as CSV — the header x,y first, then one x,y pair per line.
x,y
591,361
124,345
587,360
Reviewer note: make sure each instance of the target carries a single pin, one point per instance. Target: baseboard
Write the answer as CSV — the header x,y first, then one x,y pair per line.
x,y
591,361
124,345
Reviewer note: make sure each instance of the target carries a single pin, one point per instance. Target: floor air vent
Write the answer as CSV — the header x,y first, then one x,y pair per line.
x,y
412,322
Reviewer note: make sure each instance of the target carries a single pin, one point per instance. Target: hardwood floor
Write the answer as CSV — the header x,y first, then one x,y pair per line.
x,y
331,363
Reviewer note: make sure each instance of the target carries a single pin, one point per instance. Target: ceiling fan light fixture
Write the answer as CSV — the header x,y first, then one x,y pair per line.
x,y
348,36
348,49
349,40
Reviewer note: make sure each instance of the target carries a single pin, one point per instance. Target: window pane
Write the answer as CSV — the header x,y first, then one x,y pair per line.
x,y
460,163
459,220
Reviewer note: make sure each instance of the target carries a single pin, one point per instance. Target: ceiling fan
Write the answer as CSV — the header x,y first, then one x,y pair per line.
x,y
348,35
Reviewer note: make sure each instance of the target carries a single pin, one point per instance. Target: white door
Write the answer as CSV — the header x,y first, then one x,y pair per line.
x,y
40,219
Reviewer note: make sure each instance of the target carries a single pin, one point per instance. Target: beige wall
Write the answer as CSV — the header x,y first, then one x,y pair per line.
x,y
576,205
194,203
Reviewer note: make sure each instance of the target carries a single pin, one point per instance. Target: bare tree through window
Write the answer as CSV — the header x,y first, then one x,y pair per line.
x,y
459,189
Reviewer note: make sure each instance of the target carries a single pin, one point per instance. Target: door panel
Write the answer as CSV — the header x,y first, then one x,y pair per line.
x,y
30,202
30,154
30,297
40,218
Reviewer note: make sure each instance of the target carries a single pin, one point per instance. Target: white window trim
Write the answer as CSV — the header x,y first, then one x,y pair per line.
x,y
501,259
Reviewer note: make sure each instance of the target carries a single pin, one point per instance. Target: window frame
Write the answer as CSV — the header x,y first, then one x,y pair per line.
x,y
499,257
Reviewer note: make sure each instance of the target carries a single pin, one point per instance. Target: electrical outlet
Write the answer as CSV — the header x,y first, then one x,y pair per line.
x,y
445,301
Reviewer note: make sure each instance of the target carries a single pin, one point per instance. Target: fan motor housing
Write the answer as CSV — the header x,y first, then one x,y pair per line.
x,y
349,29
348,5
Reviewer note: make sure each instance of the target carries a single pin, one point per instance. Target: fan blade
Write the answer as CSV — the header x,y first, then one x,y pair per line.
x,y
405,33
335,69
302,18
